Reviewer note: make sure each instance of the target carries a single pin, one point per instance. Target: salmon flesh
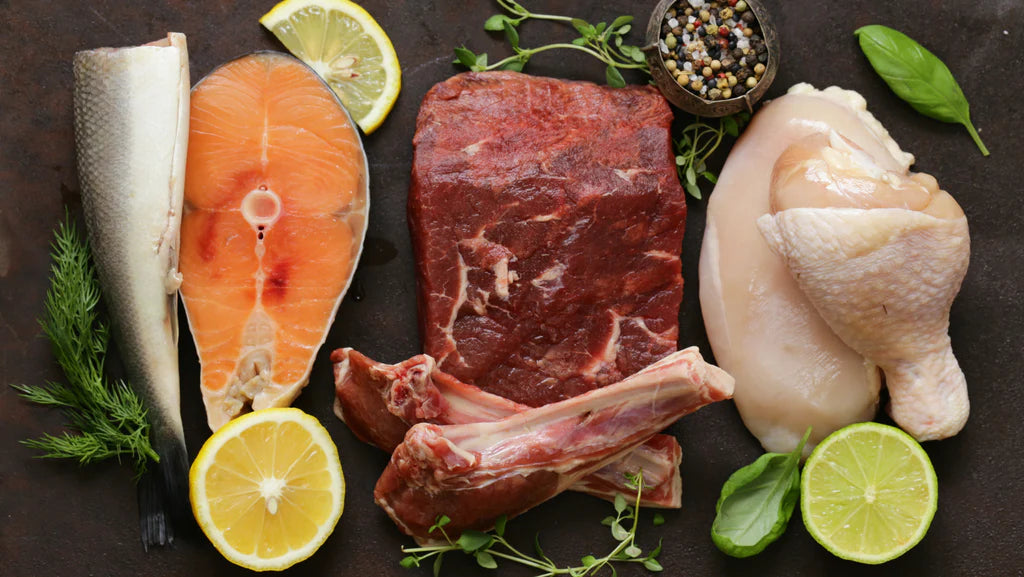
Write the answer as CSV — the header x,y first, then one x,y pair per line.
x,y
276,204
131,135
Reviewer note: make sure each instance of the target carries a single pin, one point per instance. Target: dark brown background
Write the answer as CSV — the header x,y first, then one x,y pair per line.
x,y
59,519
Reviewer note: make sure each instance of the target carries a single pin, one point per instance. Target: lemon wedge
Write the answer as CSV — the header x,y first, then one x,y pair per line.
x,y
267,488
347,48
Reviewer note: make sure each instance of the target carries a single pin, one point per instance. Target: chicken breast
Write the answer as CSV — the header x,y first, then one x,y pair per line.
x,y
881,255
791,370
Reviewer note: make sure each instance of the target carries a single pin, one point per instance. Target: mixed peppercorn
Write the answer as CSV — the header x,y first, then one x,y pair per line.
x,y
713,49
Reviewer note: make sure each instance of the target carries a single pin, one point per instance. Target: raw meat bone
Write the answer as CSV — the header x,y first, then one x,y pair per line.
x,y
379,403
475,473
881,255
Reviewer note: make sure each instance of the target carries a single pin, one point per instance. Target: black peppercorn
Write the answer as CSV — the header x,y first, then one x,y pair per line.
x,y
738,90
748,17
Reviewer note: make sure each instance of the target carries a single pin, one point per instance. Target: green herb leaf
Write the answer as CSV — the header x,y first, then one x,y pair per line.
x,y
583,27
757,502
409,562
579,41
599,29
710,177
497,23
465,57
620,22
481,62
511,35
485,560
110,419
471,540
487,548
608,520
730,126
658,520
693,189
514,65
652,565
917,76
614,77
620,503
625,29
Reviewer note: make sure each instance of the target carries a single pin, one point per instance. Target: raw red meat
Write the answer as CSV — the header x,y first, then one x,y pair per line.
x,y
475,473
379,402
547,222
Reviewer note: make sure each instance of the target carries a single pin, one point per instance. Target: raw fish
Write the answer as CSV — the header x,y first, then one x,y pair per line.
x,y
276,202
131,133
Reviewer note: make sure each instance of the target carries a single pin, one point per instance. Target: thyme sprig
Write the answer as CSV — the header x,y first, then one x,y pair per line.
x,y
487,548
698,142
602,41
109,417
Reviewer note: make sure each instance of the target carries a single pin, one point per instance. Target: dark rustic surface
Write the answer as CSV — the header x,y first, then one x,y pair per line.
x,y
59,519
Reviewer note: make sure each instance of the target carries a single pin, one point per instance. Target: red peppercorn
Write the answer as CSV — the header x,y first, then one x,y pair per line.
x,y
733,2
721,75
723,30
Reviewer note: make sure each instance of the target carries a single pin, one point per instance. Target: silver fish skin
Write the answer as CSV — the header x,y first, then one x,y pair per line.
x,y
131,134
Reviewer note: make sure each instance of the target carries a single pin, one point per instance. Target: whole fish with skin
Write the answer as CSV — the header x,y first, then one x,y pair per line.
x,y
131,135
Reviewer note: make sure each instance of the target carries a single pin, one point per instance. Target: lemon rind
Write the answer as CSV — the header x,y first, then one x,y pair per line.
x,y
917,452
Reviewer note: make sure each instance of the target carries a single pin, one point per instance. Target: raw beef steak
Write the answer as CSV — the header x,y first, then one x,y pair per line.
x,y
547,223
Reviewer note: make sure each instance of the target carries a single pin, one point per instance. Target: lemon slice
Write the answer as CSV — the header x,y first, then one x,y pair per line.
x,y
267,488
868,493
347,48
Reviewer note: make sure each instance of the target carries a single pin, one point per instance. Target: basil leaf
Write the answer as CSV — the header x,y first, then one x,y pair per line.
x,y
757,502
917,76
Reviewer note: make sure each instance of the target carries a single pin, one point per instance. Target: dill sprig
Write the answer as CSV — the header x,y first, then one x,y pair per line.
x,y
110,419
487,548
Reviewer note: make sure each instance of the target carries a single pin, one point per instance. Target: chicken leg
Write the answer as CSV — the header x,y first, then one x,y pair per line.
x,y
881,255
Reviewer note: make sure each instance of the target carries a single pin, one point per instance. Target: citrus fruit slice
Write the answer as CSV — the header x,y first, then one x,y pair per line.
x,y
868,493
267,488
347,48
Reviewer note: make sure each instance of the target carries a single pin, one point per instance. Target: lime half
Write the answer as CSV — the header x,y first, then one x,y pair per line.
x,y
347,48
868,493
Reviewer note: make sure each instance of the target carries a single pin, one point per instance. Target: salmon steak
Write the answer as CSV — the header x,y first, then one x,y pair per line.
x,y
275,212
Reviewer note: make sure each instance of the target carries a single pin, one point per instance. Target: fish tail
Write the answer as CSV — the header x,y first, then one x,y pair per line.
x,y
163,495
